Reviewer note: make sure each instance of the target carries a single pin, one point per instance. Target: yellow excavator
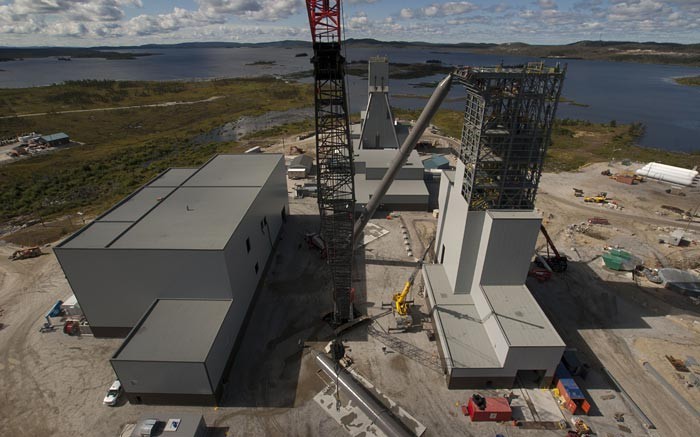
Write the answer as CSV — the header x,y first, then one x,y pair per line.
x,y
400,305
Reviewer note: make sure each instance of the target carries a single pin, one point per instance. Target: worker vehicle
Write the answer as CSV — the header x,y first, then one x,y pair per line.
x,y
400,304
27,252
115,390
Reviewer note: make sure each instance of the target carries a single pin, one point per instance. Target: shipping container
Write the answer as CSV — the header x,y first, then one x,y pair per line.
x,y
574,400
496,410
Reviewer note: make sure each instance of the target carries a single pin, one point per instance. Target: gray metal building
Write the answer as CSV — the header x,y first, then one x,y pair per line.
x,y
407,191
178,352
491,331
204,233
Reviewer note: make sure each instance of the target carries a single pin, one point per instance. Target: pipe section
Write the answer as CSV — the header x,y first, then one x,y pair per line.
x,y
377,412
404,151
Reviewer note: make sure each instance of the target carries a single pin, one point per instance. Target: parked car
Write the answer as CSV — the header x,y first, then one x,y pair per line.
x,y
113,394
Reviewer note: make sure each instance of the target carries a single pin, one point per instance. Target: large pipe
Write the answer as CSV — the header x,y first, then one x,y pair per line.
x,y
404,151
375,410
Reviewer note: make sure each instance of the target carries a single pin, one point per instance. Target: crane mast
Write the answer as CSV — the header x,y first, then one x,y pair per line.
x,y
334,155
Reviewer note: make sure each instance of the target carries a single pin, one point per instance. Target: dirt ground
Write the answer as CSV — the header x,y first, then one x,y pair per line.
x,y
614,321
53,384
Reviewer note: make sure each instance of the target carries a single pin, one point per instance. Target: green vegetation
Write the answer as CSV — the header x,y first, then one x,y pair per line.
x,y
568,101
282,130
690,81
87,94
123,149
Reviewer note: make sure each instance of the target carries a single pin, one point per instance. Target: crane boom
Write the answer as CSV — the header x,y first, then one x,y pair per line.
x,y
334,156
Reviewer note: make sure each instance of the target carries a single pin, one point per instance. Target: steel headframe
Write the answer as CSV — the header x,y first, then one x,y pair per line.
x,y
507,128
334,155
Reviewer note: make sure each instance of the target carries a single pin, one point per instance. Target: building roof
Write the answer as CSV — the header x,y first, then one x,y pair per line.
x,y
466,342
302,161
187,427
436,161
54,137
520,317
381,158
163,214
175,330
365,188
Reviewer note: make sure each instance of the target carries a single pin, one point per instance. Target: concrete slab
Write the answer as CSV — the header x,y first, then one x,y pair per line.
x,y
349,416
372,232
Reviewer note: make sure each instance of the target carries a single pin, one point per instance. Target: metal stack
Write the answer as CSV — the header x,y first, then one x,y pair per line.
x,y
507,124
336,189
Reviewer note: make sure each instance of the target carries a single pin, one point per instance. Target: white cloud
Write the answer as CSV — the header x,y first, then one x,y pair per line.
x,y
447,9
260,10
547,4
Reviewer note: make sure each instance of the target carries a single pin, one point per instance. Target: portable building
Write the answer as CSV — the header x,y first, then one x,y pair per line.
x,y
57,139
300,167
204,233
178,353
495,410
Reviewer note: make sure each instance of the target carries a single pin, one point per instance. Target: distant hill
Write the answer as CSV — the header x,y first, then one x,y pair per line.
x,y
628,51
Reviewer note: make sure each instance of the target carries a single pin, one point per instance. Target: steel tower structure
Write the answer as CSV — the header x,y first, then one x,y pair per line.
x,y
507,126
334,156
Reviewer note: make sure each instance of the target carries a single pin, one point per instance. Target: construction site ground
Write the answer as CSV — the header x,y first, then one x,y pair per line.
x,y
53,384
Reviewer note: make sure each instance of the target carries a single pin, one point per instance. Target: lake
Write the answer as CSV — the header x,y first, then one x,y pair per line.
x,y
624,92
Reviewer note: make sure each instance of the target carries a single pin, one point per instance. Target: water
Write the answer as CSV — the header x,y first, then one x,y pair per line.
x,y
624,92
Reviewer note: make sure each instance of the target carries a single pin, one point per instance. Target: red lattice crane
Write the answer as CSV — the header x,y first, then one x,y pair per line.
x,y
335,171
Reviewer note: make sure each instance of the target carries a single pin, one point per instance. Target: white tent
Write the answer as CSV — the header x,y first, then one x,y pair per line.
x,y
669,173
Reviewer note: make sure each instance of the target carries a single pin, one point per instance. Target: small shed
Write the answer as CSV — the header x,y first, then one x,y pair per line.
x,y
436,162
57,139
171,425
300,167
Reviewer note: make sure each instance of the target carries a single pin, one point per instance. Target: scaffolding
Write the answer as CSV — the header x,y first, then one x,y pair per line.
x,y
507,126
336,186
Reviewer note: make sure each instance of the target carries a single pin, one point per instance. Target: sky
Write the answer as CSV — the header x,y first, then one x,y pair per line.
x,y
135,22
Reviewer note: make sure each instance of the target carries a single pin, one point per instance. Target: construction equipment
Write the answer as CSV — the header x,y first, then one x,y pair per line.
x,y
595,199
334,156
400,305
578,192
557,262
540,274
28,252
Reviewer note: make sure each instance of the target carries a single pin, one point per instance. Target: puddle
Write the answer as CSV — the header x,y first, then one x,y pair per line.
x,y
235,130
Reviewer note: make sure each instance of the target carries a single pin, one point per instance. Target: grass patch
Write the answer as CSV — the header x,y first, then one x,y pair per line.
x,y
124,149
282,130
689,81
89,94
571,102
